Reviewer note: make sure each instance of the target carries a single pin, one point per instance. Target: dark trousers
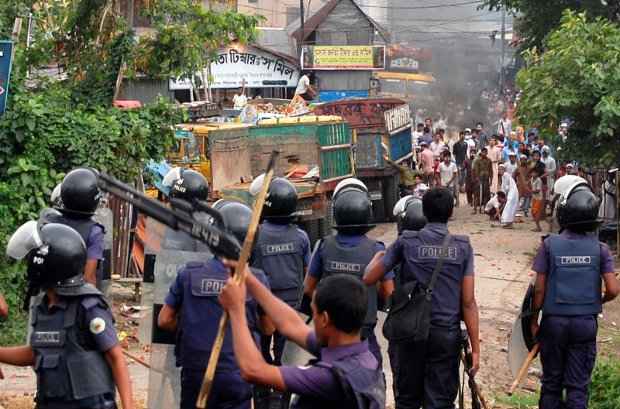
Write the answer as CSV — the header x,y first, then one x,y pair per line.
x,y
567,353
274,356
368,334
483,195
229,391
426,374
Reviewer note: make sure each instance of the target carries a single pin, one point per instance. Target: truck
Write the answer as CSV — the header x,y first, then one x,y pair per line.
x,y
315,154
382,134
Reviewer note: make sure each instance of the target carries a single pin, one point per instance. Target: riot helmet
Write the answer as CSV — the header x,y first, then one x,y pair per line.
x,y
352,207
578,209
55,254
236,217
79,192
281,201
409,214
186,184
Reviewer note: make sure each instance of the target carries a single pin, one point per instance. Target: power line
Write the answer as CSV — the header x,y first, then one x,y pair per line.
x,y
435,6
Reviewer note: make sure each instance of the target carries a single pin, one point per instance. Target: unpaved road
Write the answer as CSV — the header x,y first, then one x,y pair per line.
x,y
502,264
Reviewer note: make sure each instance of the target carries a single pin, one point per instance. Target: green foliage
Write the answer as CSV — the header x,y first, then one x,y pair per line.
x,y
519,401
187,36
605,388
576,77
536,19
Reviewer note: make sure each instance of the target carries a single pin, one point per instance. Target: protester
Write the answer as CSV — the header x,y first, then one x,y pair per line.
x,y
509,187
460,150
538,202
437,145
495,206
550,169
428,371
522,176
427,136
416,136
471,142
449,172
495,156
304,88
481,136
239,99
511,165
483,172
504,126
427,163
570,269
471,183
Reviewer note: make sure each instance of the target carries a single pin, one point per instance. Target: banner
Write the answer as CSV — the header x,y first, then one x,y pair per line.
x,y
345,57
253,67
6,48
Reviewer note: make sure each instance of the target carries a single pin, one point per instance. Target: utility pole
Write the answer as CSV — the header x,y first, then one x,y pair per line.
x,y
502,59
303,26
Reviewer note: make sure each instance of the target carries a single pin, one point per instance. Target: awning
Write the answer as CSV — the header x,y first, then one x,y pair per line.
x,y
389,75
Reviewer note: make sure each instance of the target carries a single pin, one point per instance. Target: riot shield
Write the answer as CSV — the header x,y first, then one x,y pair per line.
x,y
160,269
521,339
105,217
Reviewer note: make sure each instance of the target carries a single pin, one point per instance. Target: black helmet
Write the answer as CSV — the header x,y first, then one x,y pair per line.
x,y
59,261
186,184
236,217
409,214
79,192
352,209
578,209
281,200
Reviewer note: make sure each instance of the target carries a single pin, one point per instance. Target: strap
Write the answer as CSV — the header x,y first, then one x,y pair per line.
x,y
439,265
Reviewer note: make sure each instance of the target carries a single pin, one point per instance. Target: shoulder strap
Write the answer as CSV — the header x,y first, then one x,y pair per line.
x,y
439,265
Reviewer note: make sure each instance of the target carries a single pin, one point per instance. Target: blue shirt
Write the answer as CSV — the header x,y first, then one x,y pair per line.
x,y
94,244
316,263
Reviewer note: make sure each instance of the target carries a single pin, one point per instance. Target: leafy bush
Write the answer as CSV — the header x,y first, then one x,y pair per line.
x,y
605,388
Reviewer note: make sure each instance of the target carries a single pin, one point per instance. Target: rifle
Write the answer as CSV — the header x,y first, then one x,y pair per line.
x,y
477,399
183,216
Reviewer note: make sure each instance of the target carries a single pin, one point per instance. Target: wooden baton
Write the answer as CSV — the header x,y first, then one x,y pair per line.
x,y
524,368
483,401
238,278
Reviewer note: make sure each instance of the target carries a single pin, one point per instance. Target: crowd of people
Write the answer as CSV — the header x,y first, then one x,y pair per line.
x,y
507,174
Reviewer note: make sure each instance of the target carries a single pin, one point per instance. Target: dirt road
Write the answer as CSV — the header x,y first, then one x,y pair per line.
x,y
502,260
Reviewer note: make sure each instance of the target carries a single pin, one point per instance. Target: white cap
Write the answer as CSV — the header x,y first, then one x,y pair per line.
x,y
399,207
350,182
467,130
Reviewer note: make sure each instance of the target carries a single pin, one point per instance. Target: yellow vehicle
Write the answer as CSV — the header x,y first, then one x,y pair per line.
x,y
191,148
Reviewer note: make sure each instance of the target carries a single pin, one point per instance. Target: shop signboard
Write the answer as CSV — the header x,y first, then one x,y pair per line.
x,y
256,68
343,57
6,55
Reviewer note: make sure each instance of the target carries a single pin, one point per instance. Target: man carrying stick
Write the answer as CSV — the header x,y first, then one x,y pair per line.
x,y
347,375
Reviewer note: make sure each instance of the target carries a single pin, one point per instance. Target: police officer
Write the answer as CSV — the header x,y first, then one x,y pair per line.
x,y
192,309
428,372
282,251
73,347
350,251
190,186
346,375
77,199
569,269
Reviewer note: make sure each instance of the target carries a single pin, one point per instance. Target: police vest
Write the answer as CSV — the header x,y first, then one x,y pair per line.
x,y
421,252
363,388
338,259
200,316
574,281
67,365
280,255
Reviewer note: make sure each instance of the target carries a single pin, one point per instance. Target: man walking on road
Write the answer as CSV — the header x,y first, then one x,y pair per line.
x,y
483,171
459,150
428,372
427,160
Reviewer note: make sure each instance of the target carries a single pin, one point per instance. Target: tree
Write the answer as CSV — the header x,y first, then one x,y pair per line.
x,y
187,38
536,18
577,77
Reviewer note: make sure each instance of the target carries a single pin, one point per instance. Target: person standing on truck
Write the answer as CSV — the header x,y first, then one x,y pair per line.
x,y
282,251
349,252
304,88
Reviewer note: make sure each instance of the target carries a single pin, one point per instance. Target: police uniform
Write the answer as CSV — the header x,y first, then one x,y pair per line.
x,y
426,374
69,340
350,254
91,232
282,251
573,264
194,293
344,377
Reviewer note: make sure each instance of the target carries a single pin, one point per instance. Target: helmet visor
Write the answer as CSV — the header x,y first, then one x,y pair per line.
x,y
25,239
172,175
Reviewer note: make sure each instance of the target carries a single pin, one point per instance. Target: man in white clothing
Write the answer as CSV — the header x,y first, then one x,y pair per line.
x,y
448,173
511,165
509,187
